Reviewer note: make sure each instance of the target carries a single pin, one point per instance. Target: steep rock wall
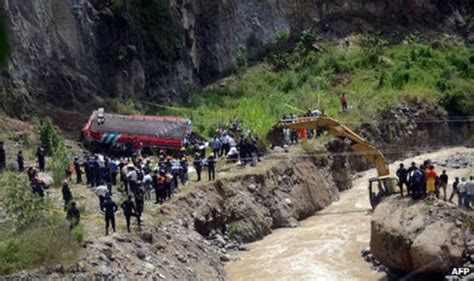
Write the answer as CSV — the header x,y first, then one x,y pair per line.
x,y
78,52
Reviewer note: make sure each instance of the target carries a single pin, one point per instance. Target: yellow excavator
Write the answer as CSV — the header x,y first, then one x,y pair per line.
x,y
385,183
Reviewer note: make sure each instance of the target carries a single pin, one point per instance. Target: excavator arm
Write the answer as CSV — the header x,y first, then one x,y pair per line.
x,y
356,142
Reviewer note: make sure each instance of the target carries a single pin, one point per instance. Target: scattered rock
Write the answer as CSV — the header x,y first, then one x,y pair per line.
x,y
225,258
105,270
141,255
220,240
149,267
252,187
181,258
147,237
288,201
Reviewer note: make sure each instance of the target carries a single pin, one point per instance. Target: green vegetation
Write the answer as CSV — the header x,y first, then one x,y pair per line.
x,y
55,146
374,74
38,236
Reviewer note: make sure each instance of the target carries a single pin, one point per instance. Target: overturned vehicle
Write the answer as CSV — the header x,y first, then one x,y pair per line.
x,y
120,133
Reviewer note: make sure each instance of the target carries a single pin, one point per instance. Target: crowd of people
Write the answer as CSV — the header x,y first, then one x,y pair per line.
x,y
139,179
292,136
424,181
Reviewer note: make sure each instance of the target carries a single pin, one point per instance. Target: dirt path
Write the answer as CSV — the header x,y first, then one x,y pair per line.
x,y
326,246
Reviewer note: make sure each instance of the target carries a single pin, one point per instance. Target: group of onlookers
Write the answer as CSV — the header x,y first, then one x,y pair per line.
x,y
422,181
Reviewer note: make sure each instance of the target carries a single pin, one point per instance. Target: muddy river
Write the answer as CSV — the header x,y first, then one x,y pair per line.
x,y
325,246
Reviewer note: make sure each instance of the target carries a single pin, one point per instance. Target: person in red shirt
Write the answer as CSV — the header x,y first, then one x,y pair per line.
x,y
343,99
137,146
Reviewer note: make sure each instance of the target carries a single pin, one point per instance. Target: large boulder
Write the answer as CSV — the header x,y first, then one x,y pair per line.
x,y
424,236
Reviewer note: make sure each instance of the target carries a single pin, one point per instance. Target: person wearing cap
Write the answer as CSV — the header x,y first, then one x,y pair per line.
x,y
197,163
211,166
182,152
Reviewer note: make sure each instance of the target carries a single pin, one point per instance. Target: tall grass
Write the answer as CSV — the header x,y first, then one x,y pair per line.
x,y
38,235
374,75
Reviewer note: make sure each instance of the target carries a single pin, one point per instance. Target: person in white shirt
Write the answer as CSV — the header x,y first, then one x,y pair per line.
x,y
102,192
462,187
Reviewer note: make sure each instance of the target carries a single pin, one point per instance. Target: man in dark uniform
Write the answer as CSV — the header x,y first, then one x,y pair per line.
x,y
211,166
197,163
20,161
402,175
109,208
140,204
41,158
73,215
129,210
67,194
87,170
77,170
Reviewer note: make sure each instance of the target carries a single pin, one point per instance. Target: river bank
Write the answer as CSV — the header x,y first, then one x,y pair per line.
x,y
327,245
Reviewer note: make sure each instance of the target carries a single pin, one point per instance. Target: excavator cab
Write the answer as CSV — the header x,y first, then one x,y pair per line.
x,y
381,187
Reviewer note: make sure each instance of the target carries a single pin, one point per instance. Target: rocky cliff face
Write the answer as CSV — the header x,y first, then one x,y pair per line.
x,y
80,52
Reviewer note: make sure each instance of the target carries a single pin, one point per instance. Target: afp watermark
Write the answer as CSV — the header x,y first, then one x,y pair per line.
x,y
460,273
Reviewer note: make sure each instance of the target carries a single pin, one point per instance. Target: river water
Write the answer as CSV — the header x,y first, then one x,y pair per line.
x,y
325,246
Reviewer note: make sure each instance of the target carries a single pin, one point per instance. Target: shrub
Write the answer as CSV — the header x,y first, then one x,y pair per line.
x,y
41,237
49,136
20,203
60,162
241,60
305,44
279,61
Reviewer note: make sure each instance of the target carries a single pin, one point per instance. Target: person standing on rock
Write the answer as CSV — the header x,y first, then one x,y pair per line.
x,y
455,190
73,215
402,174
469,192
462,187
443,181
416,183
431,175
41,158
410,173
109,208
129,210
